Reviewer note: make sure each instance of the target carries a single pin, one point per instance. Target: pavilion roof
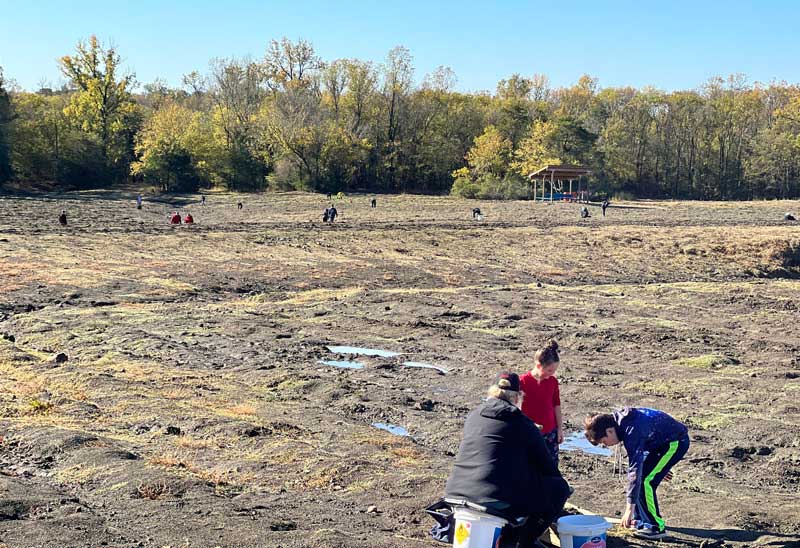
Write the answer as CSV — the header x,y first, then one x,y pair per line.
x,y
559,172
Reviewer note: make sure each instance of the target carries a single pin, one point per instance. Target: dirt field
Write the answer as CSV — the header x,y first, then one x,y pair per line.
x,y
190,407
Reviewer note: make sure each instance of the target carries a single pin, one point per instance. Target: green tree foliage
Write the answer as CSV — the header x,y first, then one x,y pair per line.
x,y
292,120
5,131
487,173
102,106
176,150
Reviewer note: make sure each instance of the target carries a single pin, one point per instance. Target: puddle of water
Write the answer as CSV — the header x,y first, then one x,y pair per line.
x,y
421,365
578,442
363,351
391,428
344,364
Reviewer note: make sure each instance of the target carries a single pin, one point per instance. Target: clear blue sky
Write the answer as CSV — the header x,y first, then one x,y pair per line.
x,y
669,44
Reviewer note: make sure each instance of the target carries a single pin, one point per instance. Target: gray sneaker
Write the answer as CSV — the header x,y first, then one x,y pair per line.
x,y
650,532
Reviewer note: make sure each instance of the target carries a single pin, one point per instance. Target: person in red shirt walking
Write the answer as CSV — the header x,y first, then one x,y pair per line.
x,y
542,402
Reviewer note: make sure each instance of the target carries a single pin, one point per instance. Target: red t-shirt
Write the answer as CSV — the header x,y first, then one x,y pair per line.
x,y
540,401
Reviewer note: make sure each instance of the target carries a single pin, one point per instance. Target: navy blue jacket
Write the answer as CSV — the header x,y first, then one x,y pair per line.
x,y
502,462
642,430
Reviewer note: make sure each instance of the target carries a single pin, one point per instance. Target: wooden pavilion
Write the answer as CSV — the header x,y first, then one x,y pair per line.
x,y
557,175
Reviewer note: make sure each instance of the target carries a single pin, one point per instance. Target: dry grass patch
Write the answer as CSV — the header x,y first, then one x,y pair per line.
x,y
154,490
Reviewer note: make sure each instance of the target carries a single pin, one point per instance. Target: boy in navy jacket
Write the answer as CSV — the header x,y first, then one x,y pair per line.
x,y
654,442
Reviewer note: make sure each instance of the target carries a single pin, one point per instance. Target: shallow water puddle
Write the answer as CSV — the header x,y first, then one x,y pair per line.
x,y
421,365
344,364
391,428
363,351
577,442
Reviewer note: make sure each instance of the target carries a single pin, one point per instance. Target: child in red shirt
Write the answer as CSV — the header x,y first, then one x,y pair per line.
x,y
542,402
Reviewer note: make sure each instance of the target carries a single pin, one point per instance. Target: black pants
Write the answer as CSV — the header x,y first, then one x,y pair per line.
x,y
655,467
550,502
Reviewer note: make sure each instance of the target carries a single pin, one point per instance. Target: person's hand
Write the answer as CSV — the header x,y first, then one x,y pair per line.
x,y
627,517
560,435
669,476
539,426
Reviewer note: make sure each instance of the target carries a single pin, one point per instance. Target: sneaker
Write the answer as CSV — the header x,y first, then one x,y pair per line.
x,y
650,532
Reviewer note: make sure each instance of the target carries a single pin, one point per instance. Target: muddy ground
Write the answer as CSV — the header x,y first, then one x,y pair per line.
x,y
162,385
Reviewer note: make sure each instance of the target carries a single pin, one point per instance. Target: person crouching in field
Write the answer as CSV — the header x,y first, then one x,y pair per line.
x,y
175,219
503,464
188,220
62,219
655,442
542,401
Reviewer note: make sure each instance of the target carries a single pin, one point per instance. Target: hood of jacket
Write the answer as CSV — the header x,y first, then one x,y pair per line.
x,y
495,408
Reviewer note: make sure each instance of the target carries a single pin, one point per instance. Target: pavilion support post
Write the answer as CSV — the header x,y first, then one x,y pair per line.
x,y
570,187
534,182
551,187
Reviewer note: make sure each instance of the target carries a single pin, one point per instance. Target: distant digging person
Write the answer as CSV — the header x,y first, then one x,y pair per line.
x,y
604,206
374,202
789,217
202,199
62,219
332,213
476,214
175,219
239,205
585,212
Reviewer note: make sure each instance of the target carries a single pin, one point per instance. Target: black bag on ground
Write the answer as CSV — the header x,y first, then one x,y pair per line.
x,y
445,521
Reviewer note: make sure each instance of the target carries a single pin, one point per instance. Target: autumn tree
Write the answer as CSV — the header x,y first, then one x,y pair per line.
x,y
102,106
237,89
5,130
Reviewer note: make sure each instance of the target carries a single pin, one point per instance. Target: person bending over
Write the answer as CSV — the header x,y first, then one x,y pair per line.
x,y
655,442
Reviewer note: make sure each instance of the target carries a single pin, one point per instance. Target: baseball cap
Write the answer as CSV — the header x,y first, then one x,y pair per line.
x,y
507,381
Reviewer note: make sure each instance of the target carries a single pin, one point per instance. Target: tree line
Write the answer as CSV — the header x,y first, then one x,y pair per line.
x,y
290,120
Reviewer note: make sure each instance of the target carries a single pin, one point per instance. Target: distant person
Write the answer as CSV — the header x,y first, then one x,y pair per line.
x,y
326,215
62,219
604,205
585,212
789,217
476,213
503,464
175,219
188,220
332,213
139,201
329,195
239,205
202,199
374,202
655,442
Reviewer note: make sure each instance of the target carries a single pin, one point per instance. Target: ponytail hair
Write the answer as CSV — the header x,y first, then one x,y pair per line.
x,y
548,354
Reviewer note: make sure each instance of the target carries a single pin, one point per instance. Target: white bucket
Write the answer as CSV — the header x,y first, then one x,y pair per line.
x,y
583,531
476,529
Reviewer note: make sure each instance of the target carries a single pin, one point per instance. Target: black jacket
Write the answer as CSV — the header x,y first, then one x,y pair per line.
x,y
503,463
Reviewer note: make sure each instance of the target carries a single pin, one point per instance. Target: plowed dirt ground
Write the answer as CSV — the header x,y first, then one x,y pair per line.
x,y
191,408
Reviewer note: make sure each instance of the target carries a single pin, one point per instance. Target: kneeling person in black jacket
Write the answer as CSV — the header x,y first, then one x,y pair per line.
x,y
503,464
